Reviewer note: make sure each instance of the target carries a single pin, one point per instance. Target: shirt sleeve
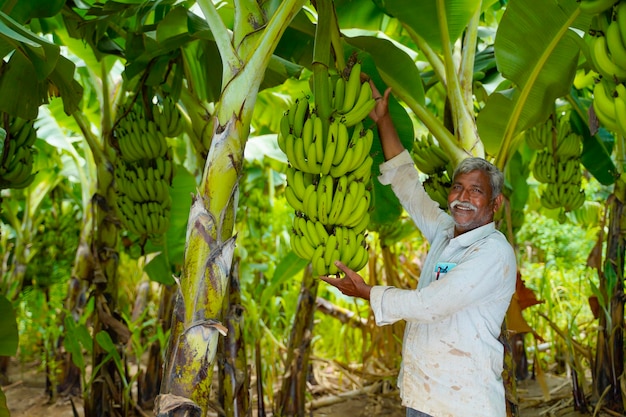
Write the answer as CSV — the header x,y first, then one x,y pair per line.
x,y
400,173
487,275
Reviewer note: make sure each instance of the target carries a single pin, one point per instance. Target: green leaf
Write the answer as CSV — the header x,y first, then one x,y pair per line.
x,y
541,71
288,267
421,16
106,343
183,186
9,337
4,410
29,71
159,269
72,345
517,171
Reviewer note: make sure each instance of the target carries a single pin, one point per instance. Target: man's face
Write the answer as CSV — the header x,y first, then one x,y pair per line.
x,y
470,202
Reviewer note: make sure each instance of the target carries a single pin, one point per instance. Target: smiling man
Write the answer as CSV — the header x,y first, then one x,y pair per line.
x,y
452,360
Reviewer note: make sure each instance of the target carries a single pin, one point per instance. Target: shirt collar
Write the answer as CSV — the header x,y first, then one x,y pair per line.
x,y
468,238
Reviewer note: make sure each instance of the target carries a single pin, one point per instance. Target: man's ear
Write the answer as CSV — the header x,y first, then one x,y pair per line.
x,y
497,203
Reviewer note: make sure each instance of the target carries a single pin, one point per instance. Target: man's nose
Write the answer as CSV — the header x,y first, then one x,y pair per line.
x,y
463,195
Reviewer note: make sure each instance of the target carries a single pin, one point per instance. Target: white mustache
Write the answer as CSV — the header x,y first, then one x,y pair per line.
x,y
467,206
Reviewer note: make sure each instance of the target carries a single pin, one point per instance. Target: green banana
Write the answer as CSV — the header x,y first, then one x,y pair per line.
x,y
293,200
295,178
321,232
329,251
339,92
620,108
364,171
614,44
362,108
317,260
603,62
604,105
301,113
312,233
352,89
331,146
593,7
310,202
343,138
338,199
362,224
307,131
620,16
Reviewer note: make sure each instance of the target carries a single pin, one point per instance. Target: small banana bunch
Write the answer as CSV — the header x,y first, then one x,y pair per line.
x,y
557,165
430,159
607,41
351,98
437,185
329,176
16,154
169,118
609,105
144,171
428,156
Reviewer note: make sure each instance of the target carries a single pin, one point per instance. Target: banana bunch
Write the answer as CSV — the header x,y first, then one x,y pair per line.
x,y
428,156
557,166
544,168
169,118
139,137
593,7
144,172
309,150
143,197
604,105
329,175
589,214
539,136
607,43
568,196
610,108
351,98
311,240
437,186
17,153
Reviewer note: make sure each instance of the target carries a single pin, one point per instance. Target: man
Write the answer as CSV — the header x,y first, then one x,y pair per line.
x,y
452,360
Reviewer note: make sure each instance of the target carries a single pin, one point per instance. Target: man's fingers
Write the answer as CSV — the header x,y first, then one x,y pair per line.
x,y
342,267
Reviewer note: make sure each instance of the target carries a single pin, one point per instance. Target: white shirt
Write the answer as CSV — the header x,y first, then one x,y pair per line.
x,y
451,358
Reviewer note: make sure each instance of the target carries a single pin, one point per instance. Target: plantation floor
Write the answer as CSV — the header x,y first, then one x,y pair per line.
x,y
26,398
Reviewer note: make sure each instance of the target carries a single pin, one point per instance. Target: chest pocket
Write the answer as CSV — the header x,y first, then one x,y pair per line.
x,y
443,268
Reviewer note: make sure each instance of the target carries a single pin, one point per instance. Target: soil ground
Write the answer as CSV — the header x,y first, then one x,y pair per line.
x,y
26,397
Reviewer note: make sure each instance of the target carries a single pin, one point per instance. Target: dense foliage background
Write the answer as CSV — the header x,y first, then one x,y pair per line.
x,y
95,300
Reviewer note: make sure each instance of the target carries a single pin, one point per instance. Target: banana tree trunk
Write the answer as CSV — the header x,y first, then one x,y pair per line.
x,y
106,396
292,396
150,381
609,363
233,376
70,379
196,322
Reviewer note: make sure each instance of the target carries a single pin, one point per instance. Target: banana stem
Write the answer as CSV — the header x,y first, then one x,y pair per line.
x,y
321,60
446,140
464,124
468,53
435,61
222,37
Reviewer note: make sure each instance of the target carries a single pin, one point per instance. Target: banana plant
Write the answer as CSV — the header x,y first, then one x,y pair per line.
x,y
245,51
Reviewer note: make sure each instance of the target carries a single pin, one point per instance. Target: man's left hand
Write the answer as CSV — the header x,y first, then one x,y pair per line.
x,y
352,284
